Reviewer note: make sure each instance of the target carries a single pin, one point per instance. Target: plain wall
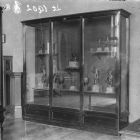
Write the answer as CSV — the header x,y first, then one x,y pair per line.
x,y
12,27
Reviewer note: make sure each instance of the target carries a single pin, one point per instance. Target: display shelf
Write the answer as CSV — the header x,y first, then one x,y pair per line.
x,y
42,54
90,93
67,91
41,89
108,95
101,53
45,54
55,54
72,69
103,109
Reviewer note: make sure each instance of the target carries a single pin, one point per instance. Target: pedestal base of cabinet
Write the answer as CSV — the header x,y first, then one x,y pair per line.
x,y
36,112
65,115
72,118
73,70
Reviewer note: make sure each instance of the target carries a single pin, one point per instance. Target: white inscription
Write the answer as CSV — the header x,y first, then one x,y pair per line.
x,y
56,8
40,8
17,8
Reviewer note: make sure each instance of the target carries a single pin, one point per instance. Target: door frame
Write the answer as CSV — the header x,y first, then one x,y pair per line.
x,y
5,73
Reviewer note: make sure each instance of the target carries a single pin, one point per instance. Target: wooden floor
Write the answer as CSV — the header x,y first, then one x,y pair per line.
x,y
17,129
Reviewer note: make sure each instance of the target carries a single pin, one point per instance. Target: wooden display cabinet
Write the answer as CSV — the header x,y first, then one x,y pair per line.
x,y
76,70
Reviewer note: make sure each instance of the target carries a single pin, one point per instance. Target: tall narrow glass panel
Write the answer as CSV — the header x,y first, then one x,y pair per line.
x,y
100,55
37,64
66,64
124,64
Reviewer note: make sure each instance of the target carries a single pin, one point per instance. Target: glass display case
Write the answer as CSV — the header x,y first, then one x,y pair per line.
x,y
76,70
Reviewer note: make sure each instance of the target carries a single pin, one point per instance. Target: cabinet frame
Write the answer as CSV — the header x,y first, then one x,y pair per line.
x,y
81,114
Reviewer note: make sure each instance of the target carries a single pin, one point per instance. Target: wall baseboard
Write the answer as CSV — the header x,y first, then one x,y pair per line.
x,y
18,112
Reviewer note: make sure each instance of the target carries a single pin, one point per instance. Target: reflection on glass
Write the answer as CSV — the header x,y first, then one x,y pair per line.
x,y
109,81
66,59
37,64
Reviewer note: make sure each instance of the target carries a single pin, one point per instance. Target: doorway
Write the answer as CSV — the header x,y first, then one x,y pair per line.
x,y
7,68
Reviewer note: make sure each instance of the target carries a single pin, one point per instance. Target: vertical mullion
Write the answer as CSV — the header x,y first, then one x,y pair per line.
x,y
118,69
81,71
51,65
128,56
23,86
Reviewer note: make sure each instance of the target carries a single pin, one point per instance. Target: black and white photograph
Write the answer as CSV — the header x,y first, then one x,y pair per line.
x,y
69,69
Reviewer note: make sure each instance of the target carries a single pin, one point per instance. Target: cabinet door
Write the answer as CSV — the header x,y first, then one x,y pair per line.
x,y
100,57
37,64
66,64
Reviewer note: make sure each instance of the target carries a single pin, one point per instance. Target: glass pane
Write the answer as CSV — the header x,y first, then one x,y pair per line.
x,y
66,58
99,64
124,66
37,64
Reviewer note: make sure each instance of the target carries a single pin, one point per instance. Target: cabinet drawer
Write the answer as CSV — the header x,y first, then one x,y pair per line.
x,y
65,116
